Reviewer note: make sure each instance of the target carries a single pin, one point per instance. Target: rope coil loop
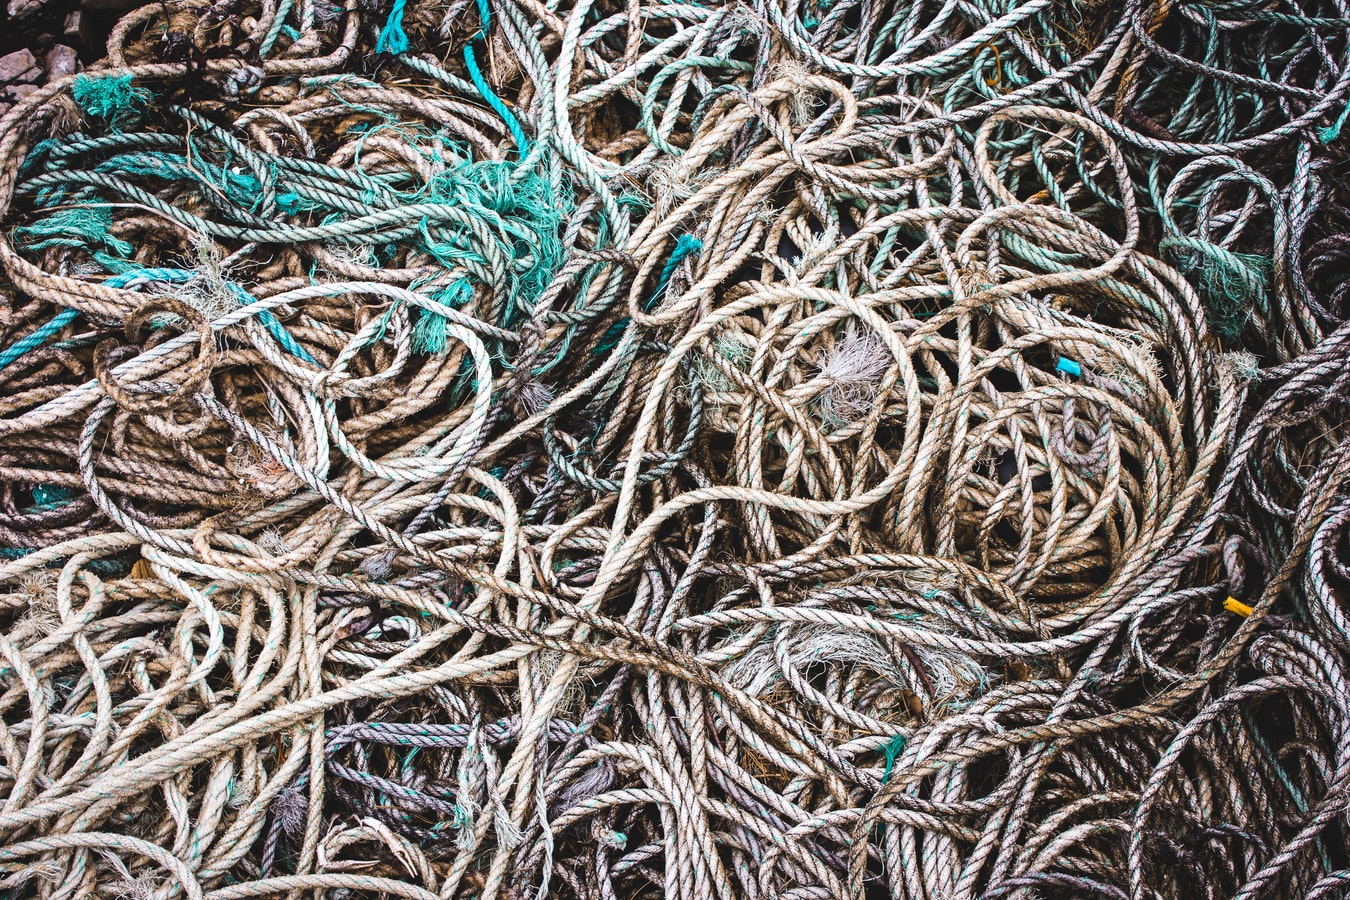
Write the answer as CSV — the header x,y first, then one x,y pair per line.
x,y
841,448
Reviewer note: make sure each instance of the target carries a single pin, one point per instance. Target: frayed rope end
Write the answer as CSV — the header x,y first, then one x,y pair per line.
x,y
112,98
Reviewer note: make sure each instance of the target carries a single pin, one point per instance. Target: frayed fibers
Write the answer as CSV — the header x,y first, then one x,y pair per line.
x,y
430,332
852,370
112,98
1231,284
80,226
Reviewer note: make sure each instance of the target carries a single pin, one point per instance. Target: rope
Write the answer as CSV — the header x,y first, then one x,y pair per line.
x,y
840,448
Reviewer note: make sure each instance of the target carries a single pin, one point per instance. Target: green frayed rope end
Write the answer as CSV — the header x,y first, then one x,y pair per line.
x,y
49,497
429,334
112,98
85,226
1231,284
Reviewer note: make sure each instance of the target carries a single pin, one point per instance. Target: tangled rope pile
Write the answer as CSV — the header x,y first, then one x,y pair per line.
x,y
766,450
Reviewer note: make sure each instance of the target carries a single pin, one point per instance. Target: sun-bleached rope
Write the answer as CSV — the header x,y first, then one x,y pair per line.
x,y
769,450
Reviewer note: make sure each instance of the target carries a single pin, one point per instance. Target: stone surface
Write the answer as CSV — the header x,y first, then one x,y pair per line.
x,y
77,29
61,61
16,66
19,9
17,92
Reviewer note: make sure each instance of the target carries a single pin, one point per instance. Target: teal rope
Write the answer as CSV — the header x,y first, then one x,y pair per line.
x,y
180,276
273,326
174,276
894,747
278,23
517,134
1327,135
393,39
481,85
49,497
111,98
610,339
686,246
38,337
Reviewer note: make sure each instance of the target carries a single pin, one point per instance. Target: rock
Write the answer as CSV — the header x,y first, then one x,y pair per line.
x,y
19,9
16,66
17,92
78,30
61,61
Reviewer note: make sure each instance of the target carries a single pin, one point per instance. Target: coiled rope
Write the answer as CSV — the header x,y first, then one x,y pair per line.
x,y
618,450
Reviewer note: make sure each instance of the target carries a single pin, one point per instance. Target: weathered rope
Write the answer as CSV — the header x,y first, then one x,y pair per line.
x,y
613,450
